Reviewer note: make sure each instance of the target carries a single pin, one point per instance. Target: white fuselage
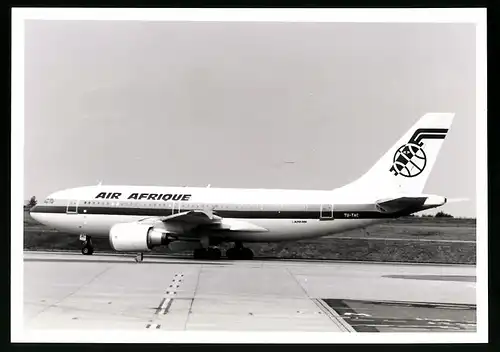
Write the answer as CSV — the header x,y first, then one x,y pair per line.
x,y
264,215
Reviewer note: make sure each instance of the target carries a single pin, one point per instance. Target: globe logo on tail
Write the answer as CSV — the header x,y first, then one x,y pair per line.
x,y
410,159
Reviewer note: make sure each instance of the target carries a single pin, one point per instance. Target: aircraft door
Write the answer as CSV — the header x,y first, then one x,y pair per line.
x,y
72,207
176,207
326,211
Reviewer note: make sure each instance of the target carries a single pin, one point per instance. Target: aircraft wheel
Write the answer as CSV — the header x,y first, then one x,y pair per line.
x,y
213,253
200,253
239,253
86,250
247,253
232,254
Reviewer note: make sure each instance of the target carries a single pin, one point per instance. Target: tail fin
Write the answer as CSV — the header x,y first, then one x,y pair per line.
x,y
407,165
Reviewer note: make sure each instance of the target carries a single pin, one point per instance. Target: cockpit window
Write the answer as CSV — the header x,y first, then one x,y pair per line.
x,y
49,200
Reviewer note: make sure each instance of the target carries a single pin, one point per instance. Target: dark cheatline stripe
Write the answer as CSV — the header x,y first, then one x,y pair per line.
x,y
48,209
242,214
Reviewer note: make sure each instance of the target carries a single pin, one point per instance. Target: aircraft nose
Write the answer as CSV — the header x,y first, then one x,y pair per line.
x,y
35,212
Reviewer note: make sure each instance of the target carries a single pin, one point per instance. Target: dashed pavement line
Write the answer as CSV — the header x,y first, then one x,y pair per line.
x,y
166,301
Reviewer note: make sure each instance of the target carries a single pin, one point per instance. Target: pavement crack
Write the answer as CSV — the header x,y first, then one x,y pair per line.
x,y
192,300
298,282
53,305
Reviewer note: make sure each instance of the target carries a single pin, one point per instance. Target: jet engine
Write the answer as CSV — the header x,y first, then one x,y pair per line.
x,y
134,237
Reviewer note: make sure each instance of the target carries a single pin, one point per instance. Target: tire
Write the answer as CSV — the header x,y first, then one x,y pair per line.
x,y
231,254
199,253
87,250
239,254
247,254
214,254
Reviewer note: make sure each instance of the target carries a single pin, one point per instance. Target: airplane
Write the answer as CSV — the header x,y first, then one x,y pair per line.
x,y
200,219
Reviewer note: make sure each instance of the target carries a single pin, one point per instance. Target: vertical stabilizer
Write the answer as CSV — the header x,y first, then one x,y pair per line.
x,y
407,165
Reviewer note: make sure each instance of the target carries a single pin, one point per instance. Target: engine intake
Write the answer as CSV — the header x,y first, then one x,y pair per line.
x,y
133,237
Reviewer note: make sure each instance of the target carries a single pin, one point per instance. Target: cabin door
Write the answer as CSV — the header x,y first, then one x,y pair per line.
x,y
72,207
176,208
326,211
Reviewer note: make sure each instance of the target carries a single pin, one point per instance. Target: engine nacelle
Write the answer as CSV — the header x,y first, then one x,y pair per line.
x,y
134,237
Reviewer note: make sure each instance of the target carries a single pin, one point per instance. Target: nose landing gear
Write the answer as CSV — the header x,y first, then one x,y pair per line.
x,y
87,247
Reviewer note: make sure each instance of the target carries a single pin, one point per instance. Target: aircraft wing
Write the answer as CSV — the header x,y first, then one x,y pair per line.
x,y
192,217
205,220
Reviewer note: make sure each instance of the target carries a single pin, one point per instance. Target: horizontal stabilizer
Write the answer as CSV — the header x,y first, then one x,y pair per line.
x,y
410,204
401,203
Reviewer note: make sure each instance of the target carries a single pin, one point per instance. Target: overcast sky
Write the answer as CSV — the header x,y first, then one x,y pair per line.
x,y
173,104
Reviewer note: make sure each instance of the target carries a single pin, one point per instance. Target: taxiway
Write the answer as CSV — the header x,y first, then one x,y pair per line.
x,y
72,291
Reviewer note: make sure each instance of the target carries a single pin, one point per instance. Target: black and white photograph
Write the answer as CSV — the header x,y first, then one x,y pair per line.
x,y
219,175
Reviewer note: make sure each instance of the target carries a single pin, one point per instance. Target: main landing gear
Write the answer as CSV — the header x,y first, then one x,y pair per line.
x,y
87,247
238,252
212,253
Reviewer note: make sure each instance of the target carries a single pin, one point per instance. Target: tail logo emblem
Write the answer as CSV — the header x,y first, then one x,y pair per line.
x,y
410,159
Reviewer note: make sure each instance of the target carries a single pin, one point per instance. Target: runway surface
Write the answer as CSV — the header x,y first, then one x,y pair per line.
x,y
72,291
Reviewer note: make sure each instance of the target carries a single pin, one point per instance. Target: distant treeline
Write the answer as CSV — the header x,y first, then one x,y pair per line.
x,y
440,214
30,203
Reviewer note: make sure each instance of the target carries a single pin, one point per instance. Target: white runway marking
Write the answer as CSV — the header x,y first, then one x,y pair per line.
x,y
166,301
